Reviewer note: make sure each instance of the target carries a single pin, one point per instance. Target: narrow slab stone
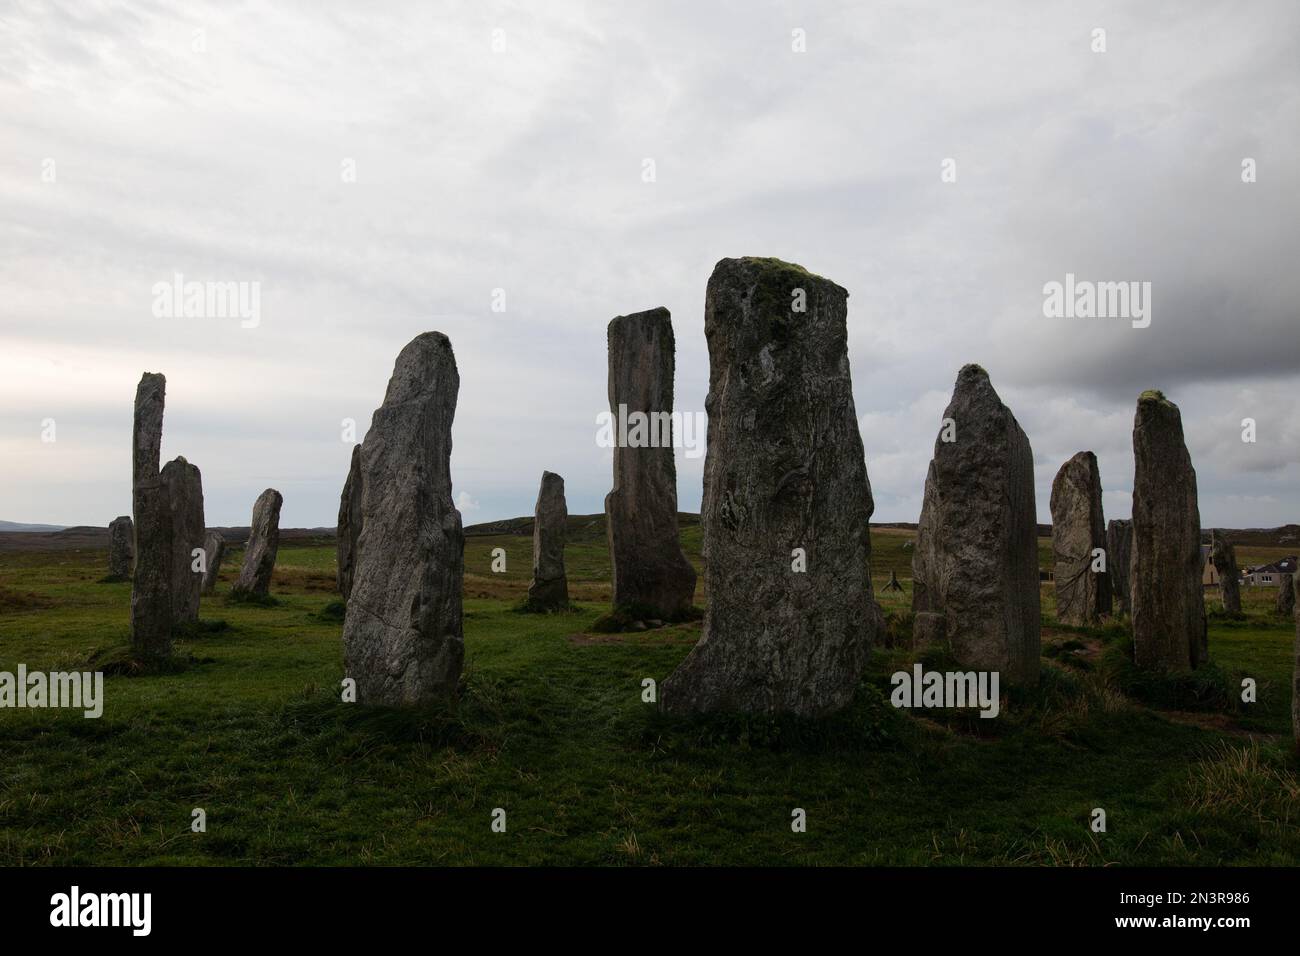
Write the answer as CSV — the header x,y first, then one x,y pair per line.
x,y
651,575
402,635
1119,552
791,616
348,531
1169,627
976,554
184,486
121,547
1286,595
1295,672
214,549
1083,594
262,547
1224,558
549,590
151,597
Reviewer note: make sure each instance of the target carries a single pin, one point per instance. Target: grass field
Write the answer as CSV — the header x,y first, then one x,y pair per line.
x,y
551,728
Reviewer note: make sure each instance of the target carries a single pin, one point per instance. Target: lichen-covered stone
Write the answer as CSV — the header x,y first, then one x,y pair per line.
x,y
151,597
1083,594
1224,558
1119,559
1286,595
121,547
402,635
549,590
262,547
976,556
214,549
651,575
790,616
184,486
1169,626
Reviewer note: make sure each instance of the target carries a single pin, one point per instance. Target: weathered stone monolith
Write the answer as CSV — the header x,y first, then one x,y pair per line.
x,y
549,590
1169,627
975,564
651,576
791,616
121,547
151,597
1286,595
1224,558
402,637
1119,555
214,549
1295,672
263,545
348,531
1082,581
184,486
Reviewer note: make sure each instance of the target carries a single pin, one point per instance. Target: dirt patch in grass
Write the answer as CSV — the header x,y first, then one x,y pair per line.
x,y
687,633
11,600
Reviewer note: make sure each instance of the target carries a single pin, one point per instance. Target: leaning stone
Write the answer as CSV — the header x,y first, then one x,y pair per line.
x,y
976,554
214,549
1224,558
1119,551
549,590
151,597
1169,626
402,635
349,524
1286,596
790,617
121,547
1078,536
184,487
651,575
263,545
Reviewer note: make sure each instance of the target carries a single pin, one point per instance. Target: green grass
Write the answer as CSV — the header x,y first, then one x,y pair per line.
x,y
552,728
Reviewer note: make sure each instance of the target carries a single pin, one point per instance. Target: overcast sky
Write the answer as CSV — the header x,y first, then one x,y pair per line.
x,y
504,147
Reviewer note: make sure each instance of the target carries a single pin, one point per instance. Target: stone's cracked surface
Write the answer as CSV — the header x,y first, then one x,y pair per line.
x,y
1083,596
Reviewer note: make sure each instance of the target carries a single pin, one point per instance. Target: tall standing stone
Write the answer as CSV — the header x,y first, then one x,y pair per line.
x,y
1083,592
1119,556
121,547
402,636
263,545
1169,627
651,576
790,617
1295,672
348,531
549,590
975,563
184,485
1224,558
151,597
1286,595
214,549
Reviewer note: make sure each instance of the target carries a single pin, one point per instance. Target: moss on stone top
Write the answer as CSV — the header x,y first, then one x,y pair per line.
x,y
1154,395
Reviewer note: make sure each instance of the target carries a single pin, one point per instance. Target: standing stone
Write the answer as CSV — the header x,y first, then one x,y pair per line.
x,y
263,544
651,576
1119,552
791,616
151,598
1295,672
975,564
402,636
1078,530
549,590
1169,627
214,548
184,487
121,547
1286,596
348,531
1224,558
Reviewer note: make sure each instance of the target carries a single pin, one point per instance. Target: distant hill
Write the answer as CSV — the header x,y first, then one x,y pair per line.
x,y
14,527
